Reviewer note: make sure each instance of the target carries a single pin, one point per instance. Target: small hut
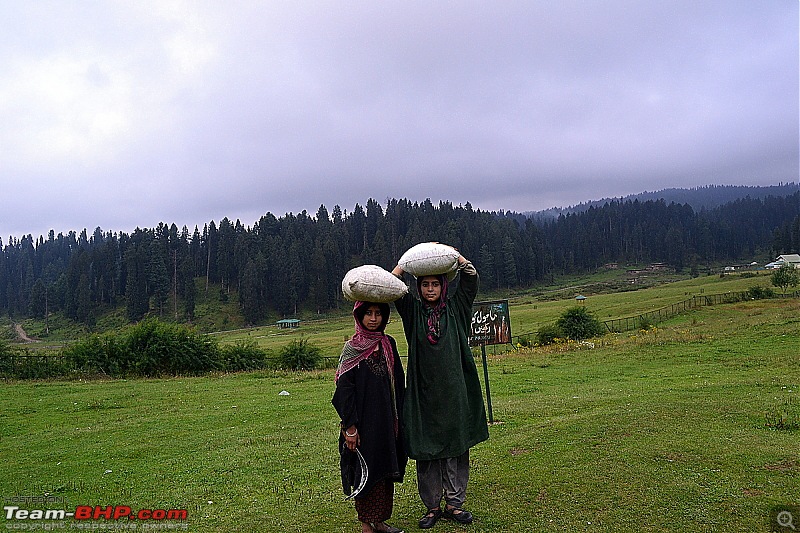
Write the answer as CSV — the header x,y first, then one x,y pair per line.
x,y
287,323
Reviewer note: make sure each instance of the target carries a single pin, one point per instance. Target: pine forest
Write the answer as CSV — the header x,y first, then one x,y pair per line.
x,y
282,266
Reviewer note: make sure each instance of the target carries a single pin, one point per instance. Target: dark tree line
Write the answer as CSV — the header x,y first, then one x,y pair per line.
x,y
280,266
705,197
654,231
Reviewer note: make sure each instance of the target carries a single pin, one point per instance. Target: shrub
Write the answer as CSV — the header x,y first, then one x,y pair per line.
x,y
759,293
783,416
644,323
577,323
97,353
299,355
151,348
245,355
548,334
157,348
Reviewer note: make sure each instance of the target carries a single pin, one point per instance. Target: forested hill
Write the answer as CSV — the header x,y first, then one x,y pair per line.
x,y
707,197
296,262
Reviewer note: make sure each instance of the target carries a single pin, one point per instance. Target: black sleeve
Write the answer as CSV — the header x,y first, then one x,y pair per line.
x,y
468,284
465,293
344,400
404,304
399,377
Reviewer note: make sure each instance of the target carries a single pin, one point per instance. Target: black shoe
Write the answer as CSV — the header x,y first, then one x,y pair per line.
x,y
430,519
462,517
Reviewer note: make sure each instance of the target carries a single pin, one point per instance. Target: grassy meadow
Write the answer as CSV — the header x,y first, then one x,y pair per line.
x,y
528,312
657,430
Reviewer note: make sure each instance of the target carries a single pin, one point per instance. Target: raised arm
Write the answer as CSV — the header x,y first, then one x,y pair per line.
x,y
468,282
404,303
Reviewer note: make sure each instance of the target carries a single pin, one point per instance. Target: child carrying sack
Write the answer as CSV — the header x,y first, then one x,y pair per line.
x,y
371,283
429,259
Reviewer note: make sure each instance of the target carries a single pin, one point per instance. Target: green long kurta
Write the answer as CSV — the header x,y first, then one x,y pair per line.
x,y
443,414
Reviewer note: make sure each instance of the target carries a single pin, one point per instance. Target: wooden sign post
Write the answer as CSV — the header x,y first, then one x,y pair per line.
x,y
490,325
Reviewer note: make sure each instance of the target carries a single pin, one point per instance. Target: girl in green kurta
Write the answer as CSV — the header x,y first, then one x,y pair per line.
x,y
443,414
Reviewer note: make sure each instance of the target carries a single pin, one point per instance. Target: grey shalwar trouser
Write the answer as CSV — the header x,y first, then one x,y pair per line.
x,y
443,477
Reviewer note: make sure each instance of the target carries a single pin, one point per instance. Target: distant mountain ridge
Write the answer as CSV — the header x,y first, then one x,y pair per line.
x,y
699,198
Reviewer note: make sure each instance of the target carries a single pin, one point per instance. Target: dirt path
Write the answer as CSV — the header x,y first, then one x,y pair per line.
x,y
22,335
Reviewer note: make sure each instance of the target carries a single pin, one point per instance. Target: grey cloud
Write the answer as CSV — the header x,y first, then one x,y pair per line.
x,y
241,108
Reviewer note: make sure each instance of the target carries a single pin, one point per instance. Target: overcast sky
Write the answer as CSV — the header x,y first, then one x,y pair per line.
x,y
125,114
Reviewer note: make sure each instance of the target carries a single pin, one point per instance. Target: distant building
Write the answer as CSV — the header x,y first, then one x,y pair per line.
x,y
787,259
289,323
736,268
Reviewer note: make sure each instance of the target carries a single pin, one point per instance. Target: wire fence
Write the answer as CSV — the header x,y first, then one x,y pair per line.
x,y
642,320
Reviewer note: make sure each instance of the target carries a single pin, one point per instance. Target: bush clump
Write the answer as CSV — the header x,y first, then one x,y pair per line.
x,y
96,353
644,323
299,355
151,348
243,356
548,334
760,293
577,323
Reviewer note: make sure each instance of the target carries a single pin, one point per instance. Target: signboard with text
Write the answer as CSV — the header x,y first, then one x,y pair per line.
x,y
490,323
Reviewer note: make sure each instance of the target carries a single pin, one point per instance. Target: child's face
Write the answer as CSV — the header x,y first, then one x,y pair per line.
x,y
431,289
372,318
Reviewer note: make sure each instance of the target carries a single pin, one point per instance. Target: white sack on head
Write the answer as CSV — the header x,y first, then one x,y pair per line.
x,y
371,283
429,259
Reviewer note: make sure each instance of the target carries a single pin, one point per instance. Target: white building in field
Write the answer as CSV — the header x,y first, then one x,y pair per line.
x,y
787,259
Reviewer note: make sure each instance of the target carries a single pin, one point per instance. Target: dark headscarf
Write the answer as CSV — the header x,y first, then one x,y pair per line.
x,y
434,314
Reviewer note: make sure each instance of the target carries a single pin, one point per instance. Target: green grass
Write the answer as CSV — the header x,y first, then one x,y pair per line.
x,y
609,294
662,430
527,312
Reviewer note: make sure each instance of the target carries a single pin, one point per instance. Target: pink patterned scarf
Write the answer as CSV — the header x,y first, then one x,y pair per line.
x,y
363,343
434,314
